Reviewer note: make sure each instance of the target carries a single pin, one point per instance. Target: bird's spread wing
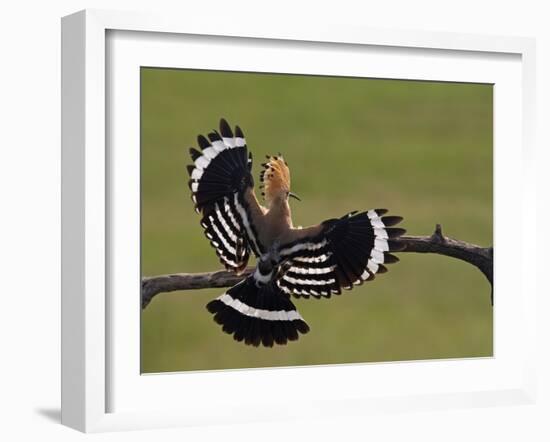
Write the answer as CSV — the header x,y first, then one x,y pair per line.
x,y
343,252
221,188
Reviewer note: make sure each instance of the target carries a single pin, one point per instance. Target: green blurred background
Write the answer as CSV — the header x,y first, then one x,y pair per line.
x,y
421,149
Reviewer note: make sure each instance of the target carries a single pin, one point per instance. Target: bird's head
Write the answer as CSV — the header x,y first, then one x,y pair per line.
x,y
275,178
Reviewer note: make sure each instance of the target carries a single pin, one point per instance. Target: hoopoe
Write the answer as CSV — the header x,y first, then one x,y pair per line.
x,y
314,261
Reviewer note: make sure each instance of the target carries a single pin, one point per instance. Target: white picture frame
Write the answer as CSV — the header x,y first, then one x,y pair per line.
x,y
90,320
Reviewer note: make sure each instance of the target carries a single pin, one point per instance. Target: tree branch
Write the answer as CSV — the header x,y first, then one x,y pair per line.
x,y
480,257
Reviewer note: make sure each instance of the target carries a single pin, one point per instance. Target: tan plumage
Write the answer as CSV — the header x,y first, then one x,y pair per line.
x,y
275,178
274,222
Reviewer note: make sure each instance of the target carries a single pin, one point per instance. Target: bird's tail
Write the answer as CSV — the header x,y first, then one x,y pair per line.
x,y
258,315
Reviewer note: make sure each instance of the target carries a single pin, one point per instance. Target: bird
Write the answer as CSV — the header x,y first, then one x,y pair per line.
x,y
291,262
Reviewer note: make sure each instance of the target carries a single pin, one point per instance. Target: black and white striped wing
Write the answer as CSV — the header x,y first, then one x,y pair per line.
x,y
223,227
219,177
347,252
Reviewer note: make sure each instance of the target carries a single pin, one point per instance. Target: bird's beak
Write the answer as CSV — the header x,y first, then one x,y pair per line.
x,y
293,195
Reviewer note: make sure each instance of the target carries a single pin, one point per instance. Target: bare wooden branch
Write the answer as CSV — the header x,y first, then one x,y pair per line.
x,y
151,286
480,257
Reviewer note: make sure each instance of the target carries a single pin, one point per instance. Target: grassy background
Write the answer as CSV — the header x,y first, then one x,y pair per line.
x,y
421,149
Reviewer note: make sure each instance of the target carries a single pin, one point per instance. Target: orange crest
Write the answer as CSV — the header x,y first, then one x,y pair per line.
x,y
275,177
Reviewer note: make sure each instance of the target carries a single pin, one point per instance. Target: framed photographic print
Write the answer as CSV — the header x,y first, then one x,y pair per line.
x,y
256,213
